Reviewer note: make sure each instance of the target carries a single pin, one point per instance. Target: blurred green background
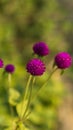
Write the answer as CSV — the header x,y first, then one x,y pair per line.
x,y
22,24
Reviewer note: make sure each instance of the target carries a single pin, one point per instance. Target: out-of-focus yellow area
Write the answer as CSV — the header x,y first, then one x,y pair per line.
x,y
22,24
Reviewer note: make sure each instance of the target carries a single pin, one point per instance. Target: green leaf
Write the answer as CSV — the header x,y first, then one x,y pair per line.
x,y
20,107
14,96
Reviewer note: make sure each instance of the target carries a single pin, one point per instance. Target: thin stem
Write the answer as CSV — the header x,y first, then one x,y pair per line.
x,y
27,86
29,98
9,86
45,83
25,95
26,92
27,115
41,88
9,80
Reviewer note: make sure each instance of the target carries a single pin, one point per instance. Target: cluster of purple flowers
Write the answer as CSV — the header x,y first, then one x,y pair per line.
x,y
35,66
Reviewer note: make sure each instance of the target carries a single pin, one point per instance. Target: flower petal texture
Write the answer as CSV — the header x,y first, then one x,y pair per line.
x,y
35,67
1,63
9,68
41,49
63,60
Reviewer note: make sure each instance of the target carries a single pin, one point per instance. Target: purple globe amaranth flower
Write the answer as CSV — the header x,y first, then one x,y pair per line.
x,y
9,68
1,63
63,60
41,49
35,67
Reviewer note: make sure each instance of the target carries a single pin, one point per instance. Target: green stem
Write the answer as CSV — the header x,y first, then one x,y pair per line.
x,y
26,116
46,82
27,86
26,92
9,86
41,88
29,99
9,80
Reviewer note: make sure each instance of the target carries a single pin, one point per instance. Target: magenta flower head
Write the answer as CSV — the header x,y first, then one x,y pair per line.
x,y
35,67
1,63
63,60
9,68
41,49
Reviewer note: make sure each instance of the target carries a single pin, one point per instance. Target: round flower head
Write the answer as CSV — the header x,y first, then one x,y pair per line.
x,y
41,49
1,63
35,67
9,68
63,60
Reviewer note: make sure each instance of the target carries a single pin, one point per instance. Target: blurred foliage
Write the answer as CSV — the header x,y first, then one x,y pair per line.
x,y
22,23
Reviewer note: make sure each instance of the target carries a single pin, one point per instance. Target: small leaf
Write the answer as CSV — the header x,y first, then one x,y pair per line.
x,y
20,107
14,96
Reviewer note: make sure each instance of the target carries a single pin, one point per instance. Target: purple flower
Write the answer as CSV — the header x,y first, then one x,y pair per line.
x,y
41,49
35,67
9,68
63,60
1,63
